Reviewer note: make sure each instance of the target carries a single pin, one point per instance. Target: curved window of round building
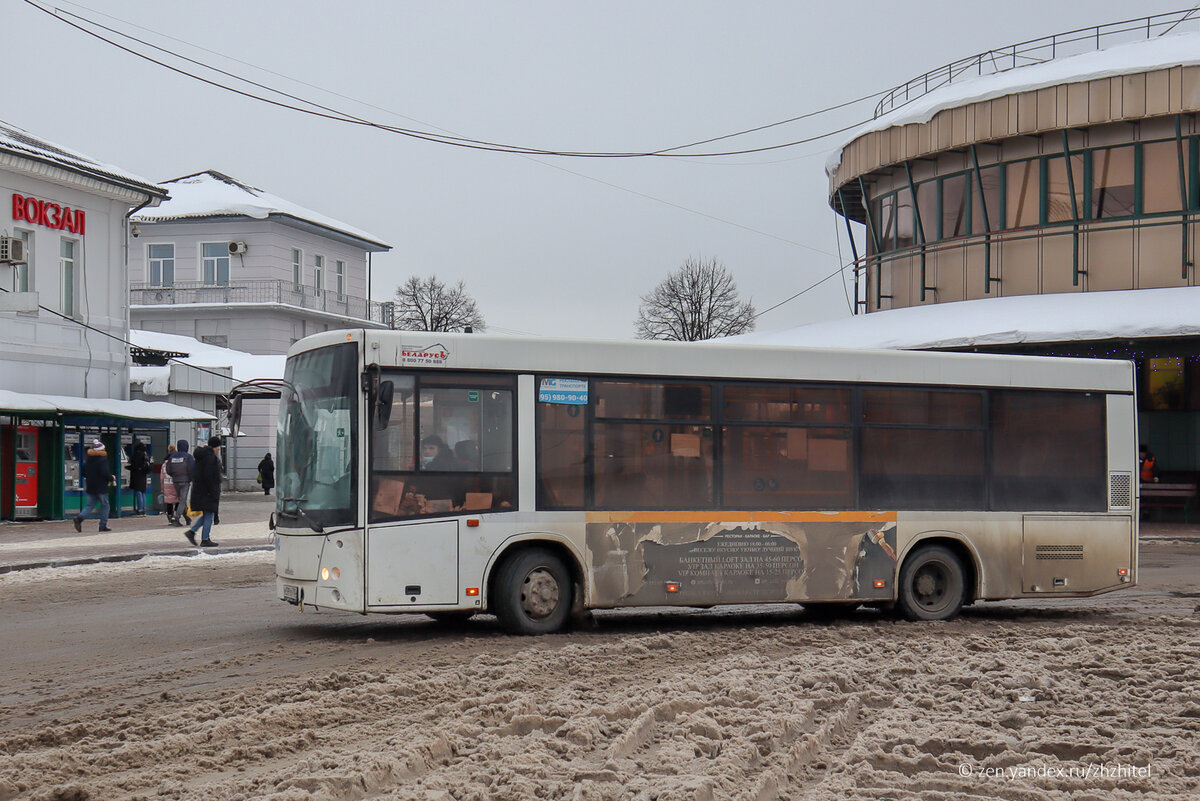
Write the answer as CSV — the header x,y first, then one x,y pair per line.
x,y
1024,194
1114,190
1161,162
956,200
1064,189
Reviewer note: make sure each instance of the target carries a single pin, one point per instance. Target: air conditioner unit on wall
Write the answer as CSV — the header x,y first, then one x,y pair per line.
x,y
237,247
12,250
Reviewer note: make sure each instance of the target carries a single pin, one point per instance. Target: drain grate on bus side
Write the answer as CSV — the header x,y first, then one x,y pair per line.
x,y
1059,552
1120,491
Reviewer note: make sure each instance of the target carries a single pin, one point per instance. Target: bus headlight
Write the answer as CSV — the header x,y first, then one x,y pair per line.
x,y
327,573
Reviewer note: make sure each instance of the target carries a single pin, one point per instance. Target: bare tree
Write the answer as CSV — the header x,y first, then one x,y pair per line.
x,y
697,301
429,305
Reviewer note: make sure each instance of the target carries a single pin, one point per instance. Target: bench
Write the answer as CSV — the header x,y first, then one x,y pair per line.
x,y
1161,495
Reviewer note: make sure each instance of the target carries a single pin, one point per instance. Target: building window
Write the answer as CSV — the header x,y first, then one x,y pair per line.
x,y
318,273
927,211
989,196
1164,384
956,200
162,264
885,223
215,264
69,276
1064,192
22,272
1114,193
1161,161
219,340
905,219
1023,194
297,267
341,278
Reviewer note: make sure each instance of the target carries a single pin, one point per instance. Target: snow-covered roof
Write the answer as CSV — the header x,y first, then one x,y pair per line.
x,y
1065,317
214,194
1161,52
126,409
245,366
21,142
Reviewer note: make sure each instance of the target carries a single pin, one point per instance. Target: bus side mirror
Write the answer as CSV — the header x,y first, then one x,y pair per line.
x,y
235,415
383,403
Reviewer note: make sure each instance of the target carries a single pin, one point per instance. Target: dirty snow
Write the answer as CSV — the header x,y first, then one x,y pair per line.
x,y
132,698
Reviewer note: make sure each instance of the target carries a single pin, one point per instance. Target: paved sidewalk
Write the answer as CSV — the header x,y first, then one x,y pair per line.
x,y
244,527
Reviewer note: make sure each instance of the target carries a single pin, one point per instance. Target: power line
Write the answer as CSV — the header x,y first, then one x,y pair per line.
x,y
801,292
325,112
122,340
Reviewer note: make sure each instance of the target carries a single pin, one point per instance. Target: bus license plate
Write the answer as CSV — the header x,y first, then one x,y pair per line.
x,y
291,593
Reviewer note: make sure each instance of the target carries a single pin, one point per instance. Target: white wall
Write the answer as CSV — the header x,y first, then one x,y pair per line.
x,y
85,363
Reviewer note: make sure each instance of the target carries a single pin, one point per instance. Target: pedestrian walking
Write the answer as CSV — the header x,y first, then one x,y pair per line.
x,y
206,492
139,471
179,467
97,475
266,474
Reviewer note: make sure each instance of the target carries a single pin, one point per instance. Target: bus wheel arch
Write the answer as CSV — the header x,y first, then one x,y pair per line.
x,y
937,577
534,586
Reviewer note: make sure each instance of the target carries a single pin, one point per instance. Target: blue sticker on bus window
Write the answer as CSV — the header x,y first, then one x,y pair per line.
x,y
569,391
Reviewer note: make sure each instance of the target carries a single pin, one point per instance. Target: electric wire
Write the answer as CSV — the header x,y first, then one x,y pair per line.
x,y
323,112
120,339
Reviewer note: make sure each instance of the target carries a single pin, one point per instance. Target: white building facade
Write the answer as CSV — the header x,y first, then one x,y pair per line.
x,y
231,266
236,267
70,213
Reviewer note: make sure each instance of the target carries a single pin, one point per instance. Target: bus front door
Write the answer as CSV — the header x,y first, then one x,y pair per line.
x,y
413,564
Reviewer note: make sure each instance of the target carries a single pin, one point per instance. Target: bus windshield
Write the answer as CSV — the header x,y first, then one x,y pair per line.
x,y
317,420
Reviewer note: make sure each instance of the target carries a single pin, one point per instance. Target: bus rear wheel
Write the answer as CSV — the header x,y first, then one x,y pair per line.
x,y
533,592
932,584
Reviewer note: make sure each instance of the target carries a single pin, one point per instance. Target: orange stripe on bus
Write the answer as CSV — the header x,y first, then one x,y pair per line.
x,y
740,517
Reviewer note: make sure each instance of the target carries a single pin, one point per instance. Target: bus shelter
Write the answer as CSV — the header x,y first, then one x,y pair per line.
x,y
45,438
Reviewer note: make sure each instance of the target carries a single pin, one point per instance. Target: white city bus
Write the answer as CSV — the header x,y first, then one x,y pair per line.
x,y
453,474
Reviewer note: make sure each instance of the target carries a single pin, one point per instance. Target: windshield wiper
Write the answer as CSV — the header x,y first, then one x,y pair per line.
x,y
300,514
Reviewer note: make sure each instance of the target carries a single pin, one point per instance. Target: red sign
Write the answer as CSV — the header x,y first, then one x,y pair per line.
x,y
44,212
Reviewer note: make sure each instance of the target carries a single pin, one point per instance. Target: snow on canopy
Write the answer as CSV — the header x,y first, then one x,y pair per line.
x,y
213,194
1024,319
1162,52
245,366
127,409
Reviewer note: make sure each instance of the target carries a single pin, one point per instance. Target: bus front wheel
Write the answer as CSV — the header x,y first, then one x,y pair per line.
x,y
533,592
932,584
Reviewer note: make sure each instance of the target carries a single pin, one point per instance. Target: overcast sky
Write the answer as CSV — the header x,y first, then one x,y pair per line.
x,y
548,245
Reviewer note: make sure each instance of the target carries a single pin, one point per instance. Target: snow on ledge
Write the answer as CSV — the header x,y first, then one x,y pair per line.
x,y
1065,317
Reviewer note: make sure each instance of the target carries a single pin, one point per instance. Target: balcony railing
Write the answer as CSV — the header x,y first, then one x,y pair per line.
x,y
1035,51
261,291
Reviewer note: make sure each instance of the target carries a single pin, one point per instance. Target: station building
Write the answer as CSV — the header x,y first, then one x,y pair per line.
x,y
64,326
1040,198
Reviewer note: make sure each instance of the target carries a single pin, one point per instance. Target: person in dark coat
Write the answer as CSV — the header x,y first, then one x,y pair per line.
x,y
266,473
139,471
206,491
96,477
